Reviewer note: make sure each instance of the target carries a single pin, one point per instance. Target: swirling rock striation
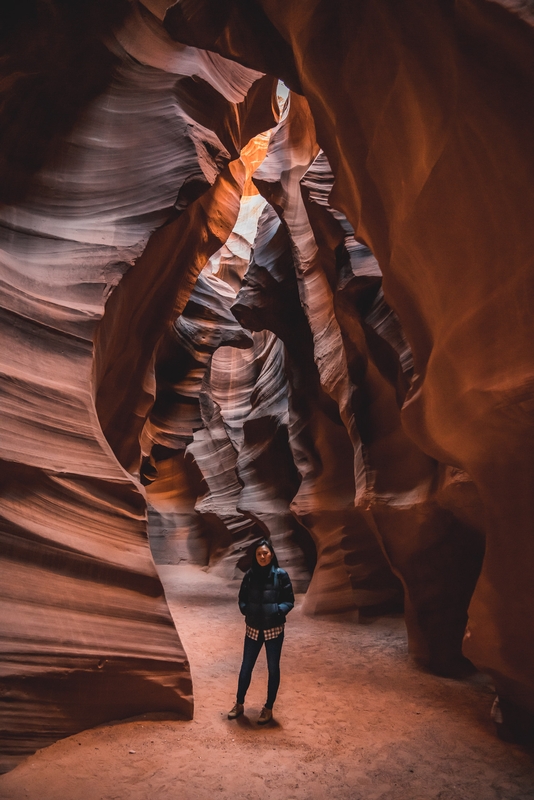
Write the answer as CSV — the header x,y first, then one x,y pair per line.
x,y
176,531
426,120
140,183
123,161
363,368
230,410
351,571
243,455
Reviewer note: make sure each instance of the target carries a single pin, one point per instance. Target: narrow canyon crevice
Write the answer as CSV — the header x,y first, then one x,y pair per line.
x,y
233,307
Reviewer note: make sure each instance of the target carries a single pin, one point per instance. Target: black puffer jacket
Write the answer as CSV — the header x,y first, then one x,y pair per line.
x,y
266,597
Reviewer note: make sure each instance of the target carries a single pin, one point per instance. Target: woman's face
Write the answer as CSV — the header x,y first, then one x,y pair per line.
x,y
263,556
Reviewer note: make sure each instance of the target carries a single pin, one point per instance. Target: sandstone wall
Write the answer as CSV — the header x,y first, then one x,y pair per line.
x,y
427,123
101,242
389,368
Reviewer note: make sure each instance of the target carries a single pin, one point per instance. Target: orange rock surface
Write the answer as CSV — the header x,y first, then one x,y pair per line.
x,y
114,214
426,119
385,400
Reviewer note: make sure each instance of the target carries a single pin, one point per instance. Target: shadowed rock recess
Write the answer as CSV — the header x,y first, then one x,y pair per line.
x,y
227,312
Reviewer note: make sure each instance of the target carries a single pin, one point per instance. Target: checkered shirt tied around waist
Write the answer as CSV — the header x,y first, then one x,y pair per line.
x,y
272,633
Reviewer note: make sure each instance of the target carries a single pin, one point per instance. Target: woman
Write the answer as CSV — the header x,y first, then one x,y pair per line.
x,y
265,598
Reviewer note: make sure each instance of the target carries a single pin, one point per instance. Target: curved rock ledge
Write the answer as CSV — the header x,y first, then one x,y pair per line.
x,y
393,394
427,122
96,262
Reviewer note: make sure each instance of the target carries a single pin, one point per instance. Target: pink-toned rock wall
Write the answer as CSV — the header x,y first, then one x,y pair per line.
x,y
390,485
104,242
426,119
176,532
123,165
351,571
217,461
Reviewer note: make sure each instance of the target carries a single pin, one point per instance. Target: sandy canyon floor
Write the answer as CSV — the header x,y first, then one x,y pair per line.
x,y
354,720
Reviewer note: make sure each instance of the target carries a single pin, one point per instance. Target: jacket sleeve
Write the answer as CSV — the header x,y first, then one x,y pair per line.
x,y
286,597
243,594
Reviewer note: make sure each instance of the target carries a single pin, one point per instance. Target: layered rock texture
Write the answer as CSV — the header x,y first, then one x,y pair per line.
x,y
98,257
336,352
384,494
219,428
426,121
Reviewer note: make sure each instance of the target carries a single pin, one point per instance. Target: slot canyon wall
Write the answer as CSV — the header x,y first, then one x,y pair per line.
x,y
198,285
426,121
99,255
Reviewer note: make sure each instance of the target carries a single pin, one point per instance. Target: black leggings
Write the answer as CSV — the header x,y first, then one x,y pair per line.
x,y
251,651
